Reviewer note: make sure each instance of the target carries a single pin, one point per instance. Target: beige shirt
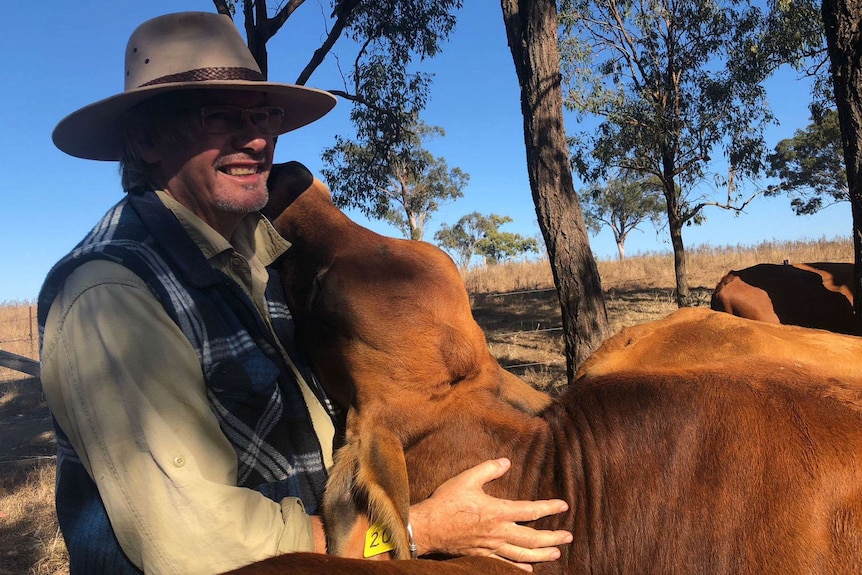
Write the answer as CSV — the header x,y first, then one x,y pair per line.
x,y
127,388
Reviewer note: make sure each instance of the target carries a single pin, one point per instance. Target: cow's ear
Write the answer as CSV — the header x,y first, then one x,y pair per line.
x,y
383,476
518,393
341,509
367,484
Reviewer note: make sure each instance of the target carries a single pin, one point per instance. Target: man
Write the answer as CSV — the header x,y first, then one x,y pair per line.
x,y
192,437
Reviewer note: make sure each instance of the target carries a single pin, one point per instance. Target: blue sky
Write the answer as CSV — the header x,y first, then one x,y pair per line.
x,y
59,56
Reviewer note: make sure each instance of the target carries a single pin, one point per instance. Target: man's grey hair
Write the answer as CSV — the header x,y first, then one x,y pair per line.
x,y
134,170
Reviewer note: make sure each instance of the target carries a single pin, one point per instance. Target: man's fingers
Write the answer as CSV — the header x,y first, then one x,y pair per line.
x,y
529,538
520,511
486,471
487,525
522,555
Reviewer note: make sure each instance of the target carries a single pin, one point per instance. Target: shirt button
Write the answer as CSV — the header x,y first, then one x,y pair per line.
x,y
179,461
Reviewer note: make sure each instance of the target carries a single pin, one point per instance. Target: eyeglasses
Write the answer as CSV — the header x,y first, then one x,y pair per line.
x,y
228,119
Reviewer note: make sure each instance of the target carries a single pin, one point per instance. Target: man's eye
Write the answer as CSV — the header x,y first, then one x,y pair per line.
x,y
260,116
220,117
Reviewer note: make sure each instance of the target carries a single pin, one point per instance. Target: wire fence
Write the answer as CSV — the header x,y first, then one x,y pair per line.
x,y
533,343
19,338
520,292
18,324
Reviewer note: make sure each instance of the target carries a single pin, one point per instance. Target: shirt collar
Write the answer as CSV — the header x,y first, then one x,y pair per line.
x,y
253,237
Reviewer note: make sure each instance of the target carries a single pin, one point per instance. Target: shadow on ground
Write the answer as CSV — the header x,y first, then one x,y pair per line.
x,y
27,459
26,433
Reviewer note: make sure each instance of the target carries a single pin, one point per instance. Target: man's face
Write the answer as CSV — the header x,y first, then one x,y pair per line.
x,y
219,176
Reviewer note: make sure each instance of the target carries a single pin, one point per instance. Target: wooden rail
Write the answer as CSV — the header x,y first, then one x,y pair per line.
x,y
19,363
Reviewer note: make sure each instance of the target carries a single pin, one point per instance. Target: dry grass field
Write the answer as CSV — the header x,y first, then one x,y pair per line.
x,y
515,304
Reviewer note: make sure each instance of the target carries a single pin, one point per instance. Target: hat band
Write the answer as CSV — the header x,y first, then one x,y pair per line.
x,y
204,74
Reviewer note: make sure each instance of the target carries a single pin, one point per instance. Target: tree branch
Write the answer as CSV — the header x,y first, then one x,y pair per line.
x,y
343,12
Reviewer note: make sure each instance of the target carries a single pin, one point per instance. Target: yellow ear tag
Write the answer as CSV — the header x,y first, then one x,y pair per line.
x,y
378,539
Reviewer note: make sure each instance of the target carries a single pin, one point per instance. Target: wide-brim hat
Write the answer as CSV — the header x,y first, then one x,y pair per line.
x,y
183,51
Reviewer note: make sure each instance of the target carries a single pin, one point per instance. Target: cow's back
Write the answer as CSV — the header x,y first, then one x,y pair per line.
x,y
749,468
684,447
697,337
722,446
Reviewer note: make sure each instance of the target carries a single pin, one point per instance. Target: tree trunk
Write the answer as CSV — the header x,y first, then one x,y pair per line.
x,y
674,224
531,27
843,23
683,298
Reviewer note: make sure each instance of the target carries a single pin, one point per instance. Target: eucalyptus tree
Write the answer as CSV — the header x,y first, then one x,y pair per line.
x,y
843,25
823,39
793,35
531,29
810,166
498,246
622,204
400,182
477,234
384,39
672,84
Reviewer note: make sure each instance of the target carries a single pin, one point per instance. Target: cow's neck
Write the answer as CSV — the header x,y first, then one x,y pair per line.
x,y
545,455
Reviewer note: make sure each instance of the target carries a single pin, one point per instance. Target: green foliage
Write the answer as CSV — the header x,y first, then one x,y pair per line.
x,y
673,84
391,34
400,182
475,234
793,34
669,84
402,28
811,166
384,171
622,204
388,96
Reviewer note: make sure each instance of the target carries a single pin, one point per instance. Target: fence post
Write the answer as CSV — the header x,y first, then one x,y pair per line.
x,y
33,348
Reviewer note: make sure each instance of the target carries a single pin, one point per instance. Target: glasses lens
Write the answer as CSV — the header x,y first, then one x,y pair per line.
x,y
227,119
270,117
221,119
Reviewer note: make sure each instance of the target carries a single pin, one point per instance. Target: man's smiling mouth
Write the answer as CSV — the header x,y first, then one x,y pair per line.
x,y
239,170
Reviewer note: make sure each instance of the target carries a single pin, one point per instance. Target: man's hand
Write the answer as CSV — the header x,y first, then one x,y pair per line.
x,y
460,519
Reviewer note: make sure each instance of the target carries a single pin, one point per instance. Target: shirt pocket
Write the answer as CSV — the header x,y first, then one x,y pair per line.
x,y
245,385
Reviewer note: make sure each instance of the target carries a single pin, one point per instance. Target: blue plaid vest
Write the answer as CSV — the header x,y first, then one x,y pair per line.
x,y
250,388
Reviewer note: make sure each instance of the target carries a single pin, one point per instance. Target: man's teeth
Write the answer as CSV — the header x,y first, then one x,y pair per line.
x,y
240,171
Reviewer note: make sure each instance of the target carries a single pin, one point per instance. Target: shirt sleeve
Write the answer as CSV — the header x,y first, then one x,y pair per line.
x,y
127,388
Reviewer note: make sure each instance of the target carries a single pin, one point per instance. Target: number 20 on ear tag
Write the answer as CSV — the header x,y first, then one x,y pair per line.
x,y
378,539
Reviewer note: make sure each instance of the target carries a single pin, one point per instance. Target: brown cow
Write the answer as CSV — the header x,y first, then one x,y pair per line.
x,y
818,295
378,314
720,342
684,446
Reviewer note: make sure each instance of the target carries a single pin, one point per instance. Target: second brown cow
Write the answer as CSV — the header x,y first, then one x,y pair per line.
x,y
817,295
